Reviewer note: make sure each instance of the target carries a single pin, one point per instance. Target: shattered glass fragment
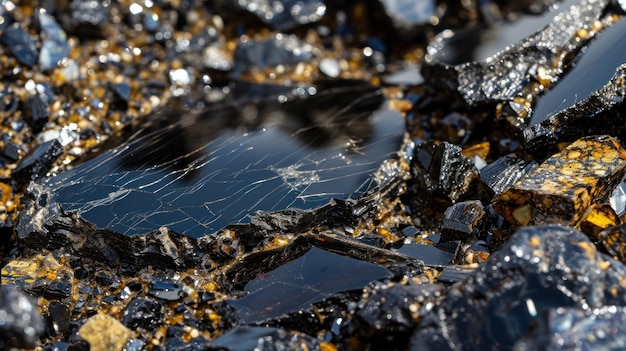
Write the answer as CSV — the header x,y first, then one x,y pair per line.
x,y
431,255
618,199
20,44
294,286
496,305
566,184
220,176
591,72
285,14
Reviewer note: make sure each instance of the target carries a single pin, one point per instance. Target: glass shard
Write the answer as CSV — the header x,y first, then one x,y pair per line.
x,y
195,174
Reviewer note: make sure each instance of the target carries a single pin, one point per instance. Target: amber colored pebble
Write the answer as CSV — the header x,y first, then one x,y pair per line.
x,y
597,218
481,150
105,333
562,188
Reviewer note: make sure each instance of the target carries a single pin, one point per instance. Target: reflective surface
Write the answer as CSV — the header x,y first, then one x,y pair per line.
x,y
201,173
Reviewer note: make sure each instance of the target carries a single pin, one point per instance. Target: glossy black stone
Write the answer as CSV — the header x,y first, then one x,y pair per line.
x,y
292,287
576,328
195,175
119,95
11,151
494,308
36,112
87,17
21,324
502,173
20,44
463,221
441,169
59,315
143,313
37,163
167,290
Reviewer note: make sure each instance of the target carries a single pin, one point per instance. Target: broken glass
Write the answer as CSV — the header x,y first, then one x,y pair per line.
x,y
199,173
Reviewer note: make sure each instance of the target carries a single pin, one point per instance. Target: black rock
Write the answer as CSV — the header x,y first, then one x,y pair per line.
x,y
441,169
88,17
37,163
20,43
463,221
392,313
537,269
167,290
11,150
502,173
577,329
119,94
143,313
263,339
36,112
59,315
21,324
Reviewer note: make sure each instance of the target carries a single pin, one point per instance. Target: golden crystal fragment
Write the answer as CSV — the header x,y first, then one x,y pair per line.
x,y
562,188
105,333
597,218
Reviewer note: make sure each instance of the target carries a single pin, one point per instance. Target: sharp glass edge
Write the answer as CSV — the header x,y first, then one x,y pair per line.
x,y
548,49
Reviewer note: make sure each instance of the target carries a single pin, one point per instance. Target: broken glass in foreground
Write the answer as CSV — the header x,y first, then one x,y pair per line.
x,y
197,173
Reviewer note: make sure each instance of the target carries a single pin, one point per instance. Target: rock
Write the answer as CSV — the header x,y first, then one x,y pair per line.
x,y
463,221
539,268
441,169
577,329
36,112
37,163
566,184
105,333
142,313
502,173
54,46
20,44
21,325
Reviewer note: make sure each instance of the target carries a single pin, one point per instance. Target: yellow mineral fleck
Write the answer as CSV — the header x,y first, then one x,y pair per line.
x,y
105,333
597,218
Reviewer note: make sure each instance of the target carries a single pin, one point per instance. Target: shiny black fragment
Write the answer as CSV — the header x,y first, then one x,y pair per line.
x,y
20,44
502,173
36,112
143,313
463,221
38,162
21,324
494,308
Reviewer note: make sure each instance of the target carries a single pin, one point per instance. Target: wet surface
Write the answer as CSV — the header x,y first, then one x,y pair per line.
x,y
176,176
280,175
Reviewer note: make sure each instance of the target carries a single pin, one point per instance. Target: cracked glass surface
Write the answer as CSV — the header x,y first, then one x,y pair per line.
x,y
203,171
